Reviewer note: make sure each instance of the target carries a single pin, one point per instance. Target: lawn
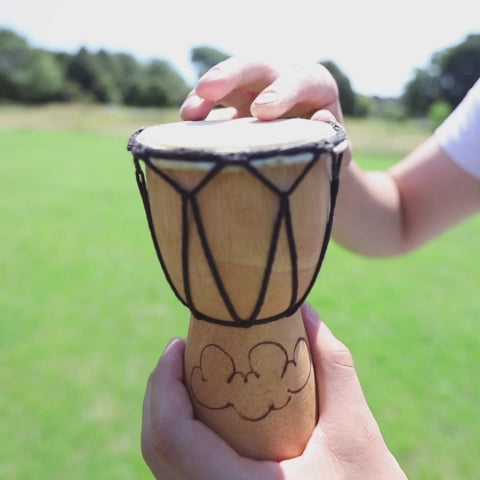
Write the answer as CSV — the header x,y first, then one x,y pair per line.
x,y
85,311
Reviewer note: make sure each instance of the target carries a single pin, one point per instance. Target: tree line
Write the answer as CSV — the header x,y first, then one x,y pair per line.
x,y
34,75
446,80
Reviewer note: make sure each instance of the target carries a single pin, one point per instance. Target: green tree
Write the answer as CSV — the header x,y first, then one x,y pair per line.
x,y
46,78
421,92
451,73
14,61
92,73
106,87
127,73
204,58
363,106
71,90
160,85
460,68
82,70
438,112
26,74
389,108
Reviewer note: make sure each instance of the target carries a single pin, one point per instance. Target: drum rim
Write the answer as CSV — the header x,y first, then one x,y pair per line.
x,y
336,143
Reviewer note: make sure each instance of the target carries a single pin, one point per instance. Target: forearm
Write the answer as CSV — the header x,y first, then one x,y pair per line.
x,y
391,213
368,215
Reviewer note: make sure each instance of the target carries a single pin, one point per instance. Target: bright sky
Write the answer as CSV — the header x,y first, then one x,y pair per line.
x,y
376,43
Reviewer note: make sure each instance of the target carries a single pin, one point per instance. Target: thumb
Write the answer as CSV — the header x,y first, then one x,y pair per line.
x,y
339,389
324,116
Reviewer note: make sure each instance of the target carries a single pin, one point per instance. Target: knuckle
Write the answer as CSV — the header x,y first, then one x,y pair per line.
x,y
368,440
364,438
164,442
369,433
340,357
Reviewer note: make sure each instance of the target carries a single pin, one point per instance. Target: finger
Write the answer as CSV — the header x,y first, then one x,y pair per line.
x,y
195,107
169,396
235,73
241,100
347,427
300,91
323,116
152,460
232,83
184,445
339,389
227,113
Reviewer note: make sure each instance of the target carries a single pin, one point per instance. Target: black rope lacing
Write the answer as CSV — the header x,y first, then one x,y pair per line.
x,y
189,202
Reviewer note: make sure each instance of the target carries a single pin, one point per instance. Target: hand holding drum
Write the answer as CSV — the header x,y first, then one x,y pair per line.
x,y
240,213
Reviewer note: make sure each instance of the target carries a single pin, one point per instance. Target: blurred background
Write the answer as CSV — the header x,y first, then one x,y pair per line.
x,y
85,311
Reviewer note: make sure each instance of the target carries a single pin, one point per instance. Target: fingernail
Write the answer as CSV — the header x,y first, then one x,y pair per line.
x,y
170,344
212,74
324,116
311,313
191,102
266,98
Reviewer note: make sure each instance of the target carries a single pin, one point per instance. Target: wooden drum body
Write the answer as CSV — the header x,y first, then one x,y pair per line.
x,y
240,213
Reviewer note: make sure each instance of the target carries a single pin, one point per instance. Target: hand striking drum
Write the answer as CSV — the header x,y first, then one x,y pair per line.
x,y
240,213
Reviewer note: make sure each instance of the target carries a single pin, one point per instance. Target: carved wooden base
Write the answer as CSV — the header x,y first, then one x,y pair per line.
x,y
255,387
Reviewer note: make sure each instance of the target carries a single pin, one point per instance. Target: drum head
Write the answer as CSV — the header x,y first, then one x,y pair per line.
x,y
231,140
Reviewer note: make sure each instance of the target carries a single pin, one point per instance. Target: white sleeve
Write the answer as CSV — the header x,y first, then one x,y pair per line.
x,y
459,134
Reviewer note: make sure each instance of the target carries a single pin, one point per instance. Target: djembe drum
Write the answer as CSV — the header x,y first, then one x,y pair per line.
x,y
240,214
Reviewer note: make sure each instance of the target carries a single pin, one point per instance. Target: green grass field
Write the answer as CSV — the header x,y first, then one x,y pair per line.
x,y
85,311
